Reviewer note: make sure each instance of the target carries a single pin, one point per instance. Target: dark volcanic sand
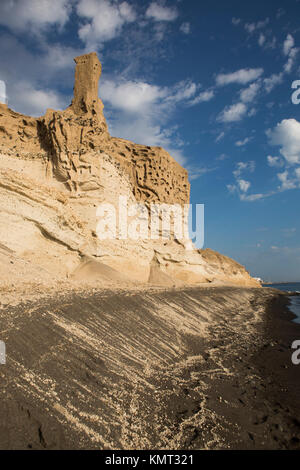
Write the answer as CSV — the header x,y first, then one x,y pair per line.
x,y
174,369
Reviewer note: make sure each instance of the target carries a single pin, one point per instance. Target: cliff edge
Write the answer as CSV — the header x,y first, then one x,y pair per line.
x,y
55,173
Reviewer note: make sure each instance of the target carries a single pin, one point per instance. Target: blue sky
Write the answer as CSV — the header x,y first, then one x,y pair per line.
x,y
209,81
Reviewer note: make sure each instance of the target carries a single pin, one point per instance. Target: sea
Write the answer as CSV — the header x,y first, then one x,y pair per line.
x,y
295,300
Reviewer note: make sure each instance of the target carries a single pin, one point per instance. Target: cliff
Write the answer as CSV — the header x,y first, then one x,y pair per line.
x,y
57,169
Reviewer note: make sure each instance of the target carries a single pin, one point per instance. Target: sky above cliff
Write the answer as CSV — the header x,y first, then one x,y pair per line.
x,y
209,81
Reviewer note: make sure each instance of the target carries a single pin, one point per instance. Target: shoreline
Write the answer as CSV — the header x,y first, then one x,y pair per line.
x,y
188,368
275,362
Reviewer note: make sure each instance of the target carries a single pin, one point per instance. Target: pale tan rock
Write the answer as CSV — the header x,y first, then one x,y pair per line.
x,y
87,74
55,170
89,269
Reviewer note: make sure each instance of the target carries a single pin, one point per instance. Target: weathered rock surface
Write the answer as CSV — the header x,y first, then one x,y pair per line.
x,y
55,170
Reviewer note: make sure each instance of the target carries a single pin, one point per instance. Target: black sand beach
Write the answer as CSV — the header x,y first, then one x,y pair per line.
x,y
192,368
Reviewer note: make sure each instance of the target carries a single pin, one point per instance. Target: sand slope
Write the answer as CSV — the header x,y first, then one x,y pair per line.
x,y
159,369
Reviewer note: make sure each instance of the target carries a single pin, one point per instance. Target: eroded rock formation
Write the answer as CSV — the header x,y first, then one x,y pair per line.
x,y
56,169
72,140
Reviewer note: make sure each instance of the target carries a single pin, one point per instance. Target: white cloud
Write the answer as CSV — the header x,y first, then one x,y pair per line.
x,y
289,180
105,20
251,27
291,60
34,101
272,81
261,39
203,97
288,44
231,188
275,162
220,136
287,135
195,173
127,12
222,157
271,44
131,96
2,92
242,76
243,185
291,52
253,197
266,42
286,182
233,113
161,13
139,97
241,188
242,167
248,94
236,21
34,16
252,112
159,31
241,143
185,28
57,57
184,90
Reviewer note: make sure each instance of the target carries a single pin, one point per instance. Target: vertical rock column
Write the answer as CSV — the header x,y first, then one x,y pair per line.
x,y
74,134
87,75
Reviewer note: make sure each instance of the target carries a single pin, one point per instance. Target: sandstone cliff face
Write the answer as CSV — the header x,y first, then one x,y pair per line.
x,y
55,171
73,139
